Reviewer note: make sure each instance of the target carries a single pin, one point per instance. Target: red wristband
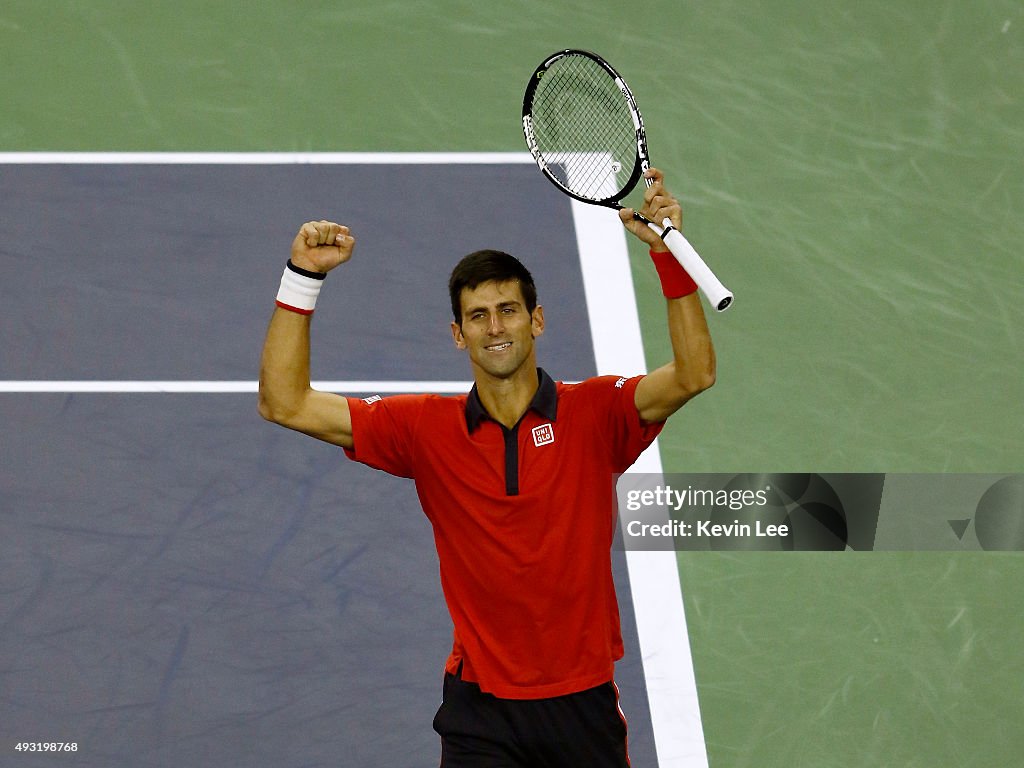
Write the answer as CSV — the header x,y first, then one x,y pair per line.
x,y
675,281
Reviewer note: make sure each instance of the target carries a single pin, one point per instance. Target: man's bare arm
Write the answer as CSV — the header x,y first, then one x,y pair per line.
x,y
692,369
286,397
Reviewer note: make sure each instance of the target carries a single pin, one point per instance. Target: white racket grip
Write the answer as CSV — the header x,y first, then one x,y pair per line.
x,y
717,294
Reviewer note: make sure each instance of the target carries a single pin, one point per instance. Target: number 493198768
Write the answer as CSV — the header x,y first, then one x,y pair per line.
x,y
46,746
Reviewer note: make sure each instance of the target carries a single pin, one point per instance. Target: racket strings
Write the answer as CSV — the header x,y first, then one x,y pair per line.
x,y
584,129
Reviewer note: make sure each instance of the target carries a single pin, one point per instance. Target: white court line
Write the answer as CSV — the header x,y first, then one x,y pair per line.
x,y
618,349
266,158
653,576
232,387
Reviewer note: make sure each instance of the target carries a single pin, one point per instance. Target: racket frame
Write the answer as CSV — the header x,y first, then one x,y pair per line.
x,y
642,161
718,294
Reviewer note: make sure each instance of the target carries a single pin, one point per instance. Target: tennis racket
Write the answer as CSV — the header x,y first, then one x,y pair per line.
x,y
584,130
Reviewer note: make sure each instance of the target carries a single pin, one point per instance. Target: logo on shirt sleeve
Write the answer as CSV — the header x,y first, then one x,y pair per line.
x,y
372,399
543,435
620,383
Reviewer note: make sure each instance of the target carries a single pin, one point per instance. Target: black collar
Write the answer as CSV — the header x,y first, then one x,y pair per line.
x,y
545,402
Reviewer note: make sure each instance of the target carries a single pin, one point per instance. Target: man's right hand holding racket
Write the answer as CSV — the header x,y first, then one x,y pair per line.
x,y
658,206
692,370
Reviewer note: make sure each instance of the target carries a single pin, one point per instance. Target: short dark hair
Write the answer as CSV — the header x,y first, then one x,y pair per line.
x,y
483,266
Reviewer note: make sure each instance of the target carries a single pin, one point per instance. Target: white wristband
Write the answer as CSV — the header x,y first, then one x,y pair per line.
x,y
299,289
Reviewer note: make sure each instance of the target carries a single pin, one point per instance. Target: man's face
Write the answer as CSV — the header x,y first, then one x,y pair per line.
x,y
496,328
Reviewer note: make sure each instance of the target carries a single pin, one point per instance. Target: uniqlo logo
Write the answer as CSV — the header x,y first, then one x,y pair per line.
x,y
543,435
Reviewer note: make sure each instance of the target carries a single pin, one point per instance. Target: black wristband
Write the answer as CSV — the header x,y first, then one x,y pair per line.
x,y
305,272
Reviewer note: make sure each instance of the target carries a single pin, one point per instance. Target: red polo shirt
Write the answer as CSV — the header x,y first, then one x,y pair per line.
x,y
523,521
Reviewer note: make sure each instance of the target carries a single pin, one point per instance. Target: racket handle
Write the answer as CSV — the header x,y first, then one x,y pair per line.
x,y
717,294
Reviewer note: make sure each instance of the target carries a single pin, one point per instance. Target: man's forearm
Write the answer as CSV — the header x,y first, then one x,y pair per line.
x,y
692,369
693,354
284,366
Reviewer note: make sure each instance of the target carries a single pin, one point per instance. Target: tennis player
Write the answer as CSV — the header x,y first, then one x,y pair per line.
x,y
516,480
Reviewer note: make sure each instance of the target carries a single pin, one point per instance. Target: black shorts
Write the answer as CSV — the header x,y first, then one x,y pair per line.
x,y
581,730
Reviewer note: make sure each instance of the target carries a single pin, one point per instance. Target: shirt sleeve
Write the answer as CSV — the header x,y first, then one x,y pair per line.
x,y
615,408
383,432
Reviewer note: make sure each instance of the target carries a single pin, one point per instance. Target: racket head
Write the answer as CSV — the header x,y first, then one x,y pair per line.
x,y
583,127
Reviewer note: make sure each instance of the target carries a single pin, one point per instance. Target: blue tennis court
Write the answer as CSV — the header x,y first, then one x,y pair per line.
x,y
184,583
